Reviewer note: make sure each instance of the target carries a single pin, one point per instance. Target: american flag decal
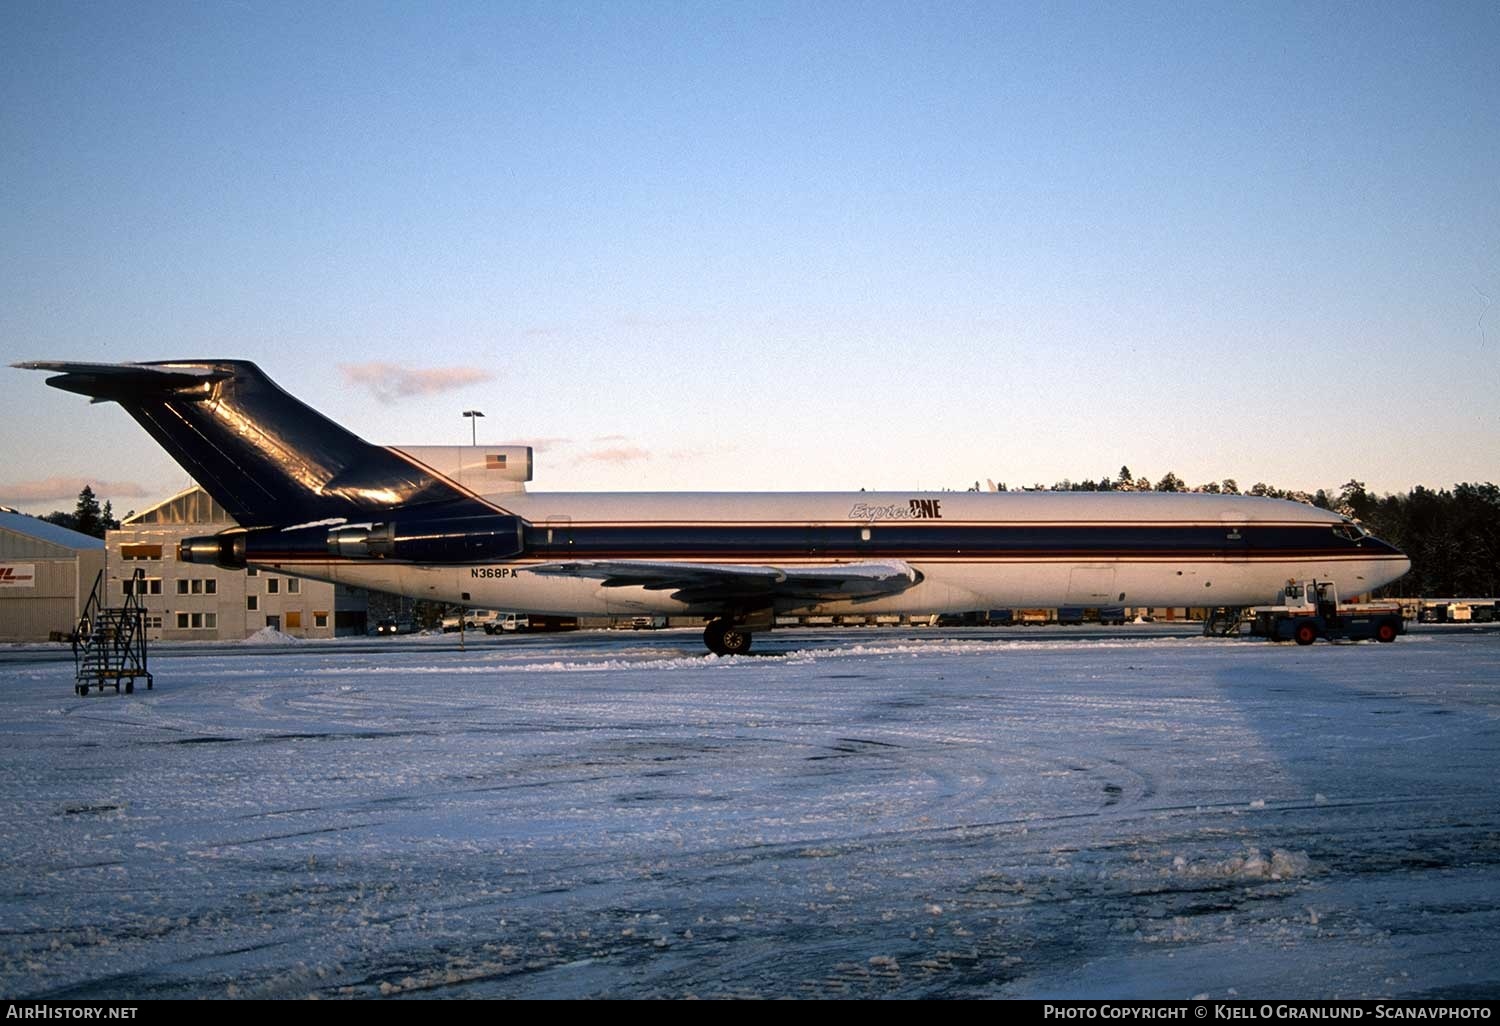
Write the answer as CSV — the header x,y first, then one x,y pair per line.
x,y
493,462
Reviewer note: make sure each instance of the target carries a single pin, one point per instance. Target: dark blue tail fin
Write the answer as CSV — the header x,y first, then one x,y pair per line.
x,y
266,457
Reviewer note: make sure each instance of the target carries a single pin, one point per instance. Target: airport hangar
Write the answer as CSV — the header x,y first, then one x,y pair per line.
x,y
46,573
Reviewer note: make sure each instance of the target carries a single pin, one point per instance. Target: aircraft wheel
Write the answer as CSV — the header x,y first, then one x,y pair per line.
x,y
724,638
1306,633
1386,632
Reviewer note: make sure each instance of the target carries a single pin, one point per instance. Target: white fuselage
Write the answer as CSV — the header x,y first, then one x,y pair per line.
x,y
972,550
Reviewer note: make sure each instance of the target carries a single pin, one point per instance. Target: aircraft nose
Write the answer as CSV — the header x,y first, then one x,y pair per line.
x,y
1399,566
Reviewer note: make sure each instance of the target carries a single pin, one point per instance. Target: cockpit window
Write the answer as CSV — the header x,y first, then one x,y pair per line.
x,y
1351,531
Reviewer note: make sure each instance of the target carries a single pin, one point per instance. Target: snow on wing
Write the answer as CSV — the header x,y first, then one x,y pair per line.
x,y
711,582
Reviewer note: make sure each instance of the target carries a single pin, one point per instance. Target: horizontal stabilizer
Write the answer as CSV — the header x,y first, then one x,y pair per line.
x,y
106,382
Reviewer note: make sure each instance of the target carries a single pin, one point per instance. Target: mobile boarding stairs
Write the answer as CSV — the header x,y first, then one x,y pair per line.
x,y
109,644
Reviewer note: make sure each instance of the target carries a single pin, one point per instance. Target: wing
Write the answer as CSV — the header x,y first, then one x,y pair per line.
x,y
732,583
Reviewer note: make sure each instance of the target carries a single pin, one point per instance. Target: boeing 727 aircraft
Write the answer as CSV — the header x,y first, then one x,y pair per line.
x,y
455,524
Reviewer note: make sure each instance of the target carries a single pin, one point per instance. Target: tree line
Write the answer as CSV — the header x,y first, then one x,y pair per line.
x,y
88,517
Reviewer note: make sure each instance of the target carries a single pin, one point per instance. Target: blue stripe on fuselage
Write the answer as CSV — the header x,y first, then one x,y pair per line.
x,y
919,541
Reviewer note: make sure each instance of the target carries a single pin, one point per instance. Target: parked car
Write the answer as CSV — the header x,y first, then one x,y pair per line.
x,y
472,619
506,623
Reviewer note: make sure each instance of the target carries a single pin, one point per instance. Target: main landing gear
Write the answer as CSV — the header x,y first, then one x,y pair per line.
x,y
724,637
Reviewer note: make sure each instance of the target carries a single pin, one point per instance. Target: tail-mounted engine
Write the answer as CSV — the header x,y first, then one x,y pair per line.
x,y
482,538
454,540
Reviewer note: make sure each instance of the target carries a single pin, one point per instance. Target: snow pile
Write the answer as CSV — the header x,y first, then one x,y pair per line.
x,y
1282,865
271,636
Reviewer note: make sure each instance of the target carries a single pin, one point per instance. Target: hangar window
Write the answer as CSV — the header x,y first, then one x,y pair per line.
x,y
320,619
252,602
140,551
197,621
182,586
273,585
293,586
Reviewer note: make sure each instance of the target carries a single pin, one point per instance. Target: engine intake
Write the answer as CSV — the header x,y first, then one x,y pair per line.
x,y
226,551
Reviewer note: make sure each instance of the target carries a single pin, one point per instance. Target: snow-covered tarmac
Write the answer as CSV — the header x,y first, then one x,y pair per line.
x,y
1001,813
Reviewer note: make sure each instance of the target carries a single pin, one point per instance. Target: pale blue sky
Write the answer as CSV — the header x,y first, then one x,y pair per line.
x,y
757,245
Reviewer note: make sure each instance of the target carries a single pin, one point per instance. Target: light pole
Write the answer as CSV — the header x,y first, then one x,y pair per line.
x,y
473,416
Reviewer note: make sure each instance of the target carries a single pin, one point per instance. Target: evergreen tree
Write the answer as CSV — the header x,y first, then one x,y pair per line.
x,y
1354,501
87,516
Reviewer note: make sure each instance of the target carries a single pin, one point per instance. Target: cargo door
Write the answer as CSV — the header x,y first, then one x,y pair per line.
x,y
1091,586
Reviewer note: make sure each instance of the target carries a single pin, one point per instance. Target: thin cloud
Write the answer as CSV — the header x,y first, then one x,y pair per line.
x,y
389,382
618,454
543,444
50,488
694,454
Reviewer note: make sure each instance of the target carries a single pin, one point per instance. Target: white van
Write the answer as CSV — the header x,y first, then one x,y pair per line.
x,y
506,623
472,618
